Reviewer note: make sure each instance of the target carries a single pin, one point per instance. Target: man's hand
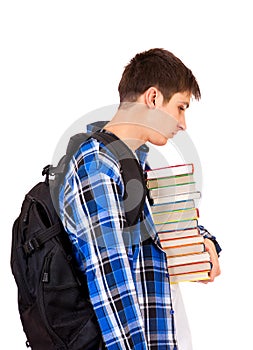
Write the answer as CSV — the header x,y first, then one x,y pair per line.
x,y
215,271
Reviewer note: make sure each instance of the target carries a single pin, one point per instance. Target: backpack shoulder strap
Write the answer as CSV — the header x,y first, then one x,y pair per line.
x,y
132,174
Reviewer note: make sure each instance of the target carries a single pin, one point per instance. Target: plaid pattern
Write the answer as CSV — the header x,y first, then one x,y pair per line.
x,y
126,268
206,234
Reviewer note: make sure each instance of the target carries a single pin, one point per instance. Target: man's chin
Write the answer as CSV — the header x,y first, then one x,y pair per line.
x,y
161,141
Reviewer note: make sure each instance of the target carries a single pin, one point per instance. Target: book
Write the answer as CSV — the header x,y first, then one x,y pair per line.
x,y
171,243
189,277
189,268
169,171
184,249
170,191
170,181
188,259
175,198
159,208
178,225
175,215
166,235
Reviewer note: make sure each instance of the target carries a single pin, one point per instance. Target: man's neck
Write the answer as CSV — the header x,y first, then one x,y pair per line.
x,y
126,126
126,133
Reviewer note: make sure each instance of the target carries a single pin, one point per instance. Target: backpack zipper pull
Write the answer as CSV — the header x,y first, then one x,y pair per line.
x,y
46,275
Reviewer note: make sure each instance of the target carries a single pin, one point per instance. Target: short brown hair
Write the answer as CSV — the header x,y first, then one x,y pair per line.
x,y
159,68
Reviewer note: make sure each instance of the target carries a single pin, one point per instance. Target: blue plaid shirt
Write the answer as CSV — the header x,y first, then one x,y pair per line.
x,y
126,269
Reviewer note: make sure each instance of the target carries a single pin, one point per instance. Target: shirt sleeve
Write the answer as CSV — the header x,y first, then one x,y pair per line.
x,y
93,216
207,234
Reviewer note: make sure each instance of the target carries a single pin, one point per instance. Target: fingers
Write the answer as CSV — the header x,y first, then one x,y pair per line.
x,y
215,271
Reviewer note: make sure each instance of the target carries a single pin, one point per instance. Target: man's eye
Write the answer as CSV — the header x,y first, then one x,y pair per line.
x,y
182,108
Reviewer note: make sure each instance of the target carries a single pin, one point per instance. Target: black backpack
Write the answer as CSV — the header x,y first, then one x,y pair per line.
x,y
53,298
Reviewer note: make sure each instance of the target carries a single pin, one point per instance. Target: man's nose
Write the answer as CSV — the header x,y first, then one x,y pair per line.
x,y
181,123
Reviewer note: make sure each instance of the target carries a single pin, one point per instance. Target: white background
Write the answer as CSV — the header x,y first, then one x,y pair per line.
x,y
62,59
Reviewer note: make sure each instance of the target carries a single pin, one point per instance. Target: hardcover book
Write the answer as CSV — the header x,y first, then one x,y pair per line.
x,y
173,206
170,191
188,259
175,215
184,249
178,225
168,235
190,268
170,181
169,171
175,198
189,277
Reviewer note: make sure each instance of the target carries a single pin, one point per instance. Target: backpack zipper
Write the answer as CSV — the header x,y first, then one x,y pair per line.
x,y
46,279
46,270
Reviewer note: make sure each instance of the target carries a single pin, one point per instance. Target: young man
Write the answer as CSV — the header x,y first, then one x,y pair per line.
x,y
128,279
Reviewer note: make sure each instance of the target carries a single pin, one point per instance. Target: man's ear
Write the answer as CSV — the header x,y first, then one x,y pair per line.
x,y
151,95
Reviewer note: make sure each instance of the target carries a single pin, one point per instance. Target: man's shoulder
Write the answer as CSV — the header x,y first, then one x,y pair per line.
x,y
93,149
93,156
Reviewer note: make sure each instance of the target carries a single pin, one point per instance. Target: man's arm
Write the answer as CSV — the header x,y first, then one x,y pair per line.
x,y
94,218
214,249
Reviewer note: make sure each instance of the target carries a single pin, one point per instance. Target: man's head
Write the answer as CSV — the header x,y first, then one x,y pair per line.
x,y
155,91
156,68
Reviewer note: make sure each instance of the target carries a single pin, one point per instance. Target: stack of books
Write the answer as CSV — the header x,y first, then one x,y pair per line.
x,y
172,191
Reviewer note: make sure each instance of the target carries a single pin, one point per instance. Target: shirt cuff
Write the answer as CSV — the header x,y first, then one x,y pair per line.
x,y
206,234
